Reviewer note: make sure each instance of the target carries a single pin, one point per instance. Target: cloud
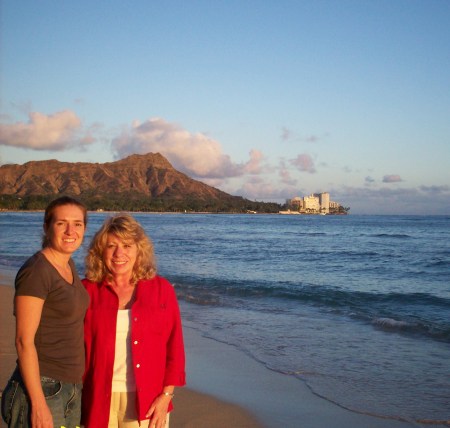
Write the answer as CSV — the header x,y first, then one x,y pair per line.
x,y
257,188
195,154
424,200
289,135
45,132
311,139
286,134
304,163
435,189
285,175
392,179
254,165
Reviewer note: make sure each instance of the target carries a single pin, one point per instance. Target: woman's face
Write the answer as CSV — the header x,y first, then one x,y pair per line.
x,y
66,230
119,256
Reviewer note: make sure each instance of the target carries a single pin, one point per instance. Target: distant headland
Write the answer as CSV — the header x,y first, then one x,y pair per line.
x,y
138,183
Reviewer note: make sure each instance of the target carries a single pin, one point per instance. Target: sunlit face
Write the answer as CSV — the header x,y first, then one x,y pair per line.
x,y
119,256
66,230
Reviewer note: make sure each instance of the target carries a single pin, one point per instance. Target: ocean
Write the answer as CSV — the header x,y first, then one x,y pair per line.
x,y
357,307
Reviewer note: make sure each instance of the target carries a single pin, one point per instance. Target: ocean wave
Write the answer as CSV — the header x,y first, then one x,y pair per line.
x,y
414,328
311,233
360,254
413,313
438,263
391,324
389,235
11,261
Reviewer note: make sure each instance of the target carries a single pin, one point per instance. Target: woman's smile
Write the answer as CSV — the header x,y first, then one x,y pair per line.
x,y
119,255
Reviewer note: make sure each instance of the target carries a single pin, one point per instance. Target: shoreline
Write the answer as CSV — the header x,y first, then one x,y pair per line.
x,y
225,387
278,400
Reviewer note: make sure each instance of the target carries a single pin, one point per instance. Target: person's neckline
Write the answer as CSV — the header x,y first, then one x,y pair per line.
x,y
57,266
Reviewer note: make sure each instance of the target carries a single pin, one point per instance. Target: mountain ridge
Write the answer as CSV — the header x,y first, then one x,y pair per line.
x,y
148,179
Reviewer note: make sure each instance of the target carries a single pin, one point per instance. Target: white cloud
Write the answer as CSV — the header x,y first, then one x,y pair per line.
x,y
45,132
254,165
304,163
195,154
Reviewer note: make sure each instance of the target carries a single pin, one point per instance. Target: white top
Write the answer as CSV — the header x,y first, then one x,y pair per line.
x,y
123,375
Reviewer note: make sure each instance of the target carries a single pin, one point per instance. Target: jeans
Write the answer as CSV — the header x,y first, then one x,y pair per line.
x,y
63,400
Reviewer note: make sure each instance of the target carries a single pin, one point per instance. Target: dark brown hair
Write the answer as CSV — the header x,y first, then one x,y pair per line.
x,y
50,212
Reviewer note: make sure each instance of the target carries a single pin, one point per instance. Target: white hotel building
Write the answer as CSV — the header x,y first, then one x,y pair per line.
x,y
316,203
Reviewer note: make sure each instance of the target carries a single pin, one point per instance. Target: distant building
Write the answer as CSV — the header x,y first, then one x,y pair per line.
x,y
296,203
311,204
316,203
324,201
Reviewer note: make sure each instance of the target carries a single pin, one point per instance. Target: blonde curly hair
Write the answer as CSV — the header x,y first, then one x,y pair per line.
x,y
126,228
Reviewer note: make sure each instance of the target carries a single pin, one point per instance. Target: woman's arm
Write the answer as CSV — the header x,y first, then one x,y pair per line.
x,y
28,311
175,358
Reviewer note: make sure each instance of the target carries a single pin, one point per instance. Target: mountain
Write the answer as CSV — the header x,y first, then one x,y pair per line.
x,y
138,182
149,174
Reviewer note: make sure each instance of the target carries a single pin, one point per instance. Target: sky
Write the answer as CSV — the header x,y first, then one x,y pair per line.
x,y
268,99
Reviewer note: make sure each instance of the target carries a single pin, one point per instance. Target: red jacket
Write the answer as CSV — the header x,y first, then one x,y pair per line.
x,y
157,346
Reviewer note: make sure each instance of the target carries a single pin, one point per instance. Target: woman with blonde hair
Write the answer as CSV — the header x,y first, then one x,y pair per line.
x,y
133,333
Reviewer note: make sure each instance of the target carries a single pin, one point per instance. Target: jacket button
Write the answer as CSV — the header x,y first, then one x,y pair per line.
x,y
135,342
135,318
138,365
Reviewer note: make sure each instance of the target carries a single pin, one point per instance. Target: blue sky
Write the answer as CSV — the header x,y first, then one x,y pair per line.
x,y
264,99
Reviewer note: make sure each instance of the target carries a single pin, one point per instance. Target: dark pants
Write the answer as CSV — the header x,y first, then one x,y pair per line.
x,y
63,400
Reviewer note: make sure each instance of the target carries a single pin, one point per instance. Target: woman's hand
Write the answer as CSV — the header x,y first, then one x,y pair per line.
x,y
41,416
158,411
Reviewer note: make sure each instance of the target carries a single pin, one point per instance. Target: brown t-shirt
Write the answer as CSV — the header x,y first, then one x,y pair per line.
x,y
59,338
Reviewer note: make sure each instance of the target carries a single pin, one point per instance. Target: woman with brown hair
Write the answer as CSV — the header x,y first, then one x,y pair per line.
x,y
49,304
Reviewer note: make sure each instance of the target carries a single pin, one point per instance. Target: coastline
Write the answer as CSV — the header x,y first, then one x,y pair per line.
x,y
278,400
187,212
226,388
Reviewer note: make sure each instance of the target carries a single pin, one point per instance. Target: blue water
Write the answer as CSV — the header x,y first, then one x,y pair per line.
x,y
358,307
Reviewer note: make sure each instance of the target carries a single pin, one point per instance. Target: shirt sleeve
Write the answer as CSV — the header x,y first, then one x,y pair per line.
x,y
33,278
175,368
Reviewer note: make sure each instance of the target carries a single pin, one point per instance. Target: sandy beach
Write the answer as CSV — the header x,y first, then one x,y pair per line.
x,y
226,388
193,409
